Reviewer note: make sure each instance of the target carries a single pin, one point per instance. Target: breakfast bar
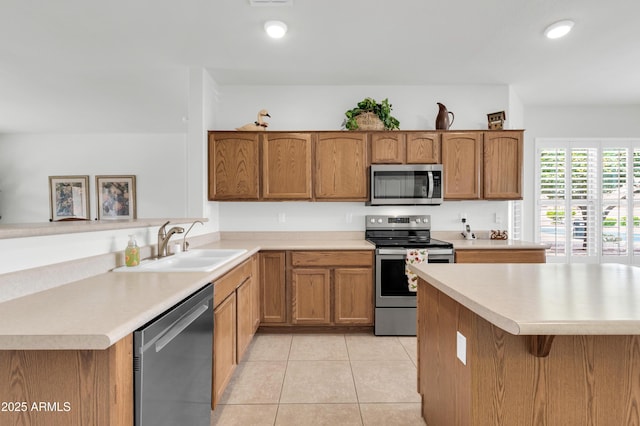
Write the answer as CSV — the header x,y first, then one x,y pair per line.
x,y
529,344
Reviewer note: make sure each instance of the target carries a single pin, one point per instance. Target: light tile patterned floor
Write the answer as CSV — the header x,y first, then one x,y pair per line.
x,y
320,379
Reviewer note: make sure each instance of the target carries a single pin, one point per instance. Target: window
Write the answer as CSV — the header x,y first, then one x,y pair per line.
x,y
588,200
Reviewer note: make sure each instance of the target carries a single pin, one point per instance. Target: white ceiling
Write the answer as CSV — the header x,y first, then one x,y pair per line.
x,y
84,65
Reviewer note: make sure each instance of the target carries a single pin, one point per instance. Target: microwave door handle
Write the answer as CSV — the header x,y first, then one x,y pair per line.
x,y
430,176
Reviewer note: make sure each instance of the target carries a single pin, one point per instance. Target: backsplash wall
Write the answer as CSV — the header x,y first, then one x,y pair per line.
x,y
342,216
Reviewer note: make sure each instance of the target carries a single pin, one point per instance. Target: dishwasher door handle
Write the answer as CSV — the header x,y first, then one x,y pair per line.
x,y
178,326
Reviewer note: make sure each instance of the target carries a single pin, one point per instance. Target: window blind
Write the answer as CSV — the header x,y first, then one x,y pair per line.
x,y
588,207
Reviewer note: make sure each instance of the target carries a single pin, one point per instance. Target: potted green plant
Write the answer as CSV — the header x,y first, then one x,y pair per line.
x,y
371,115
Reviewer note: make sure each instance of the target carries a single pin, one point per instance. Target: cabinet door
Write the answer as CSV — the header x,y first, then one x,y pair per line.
x,y
273,287
387,148
311,291
244,300
233,166
286,166
423,148
224,346
461,161
353,296
503,165
341,166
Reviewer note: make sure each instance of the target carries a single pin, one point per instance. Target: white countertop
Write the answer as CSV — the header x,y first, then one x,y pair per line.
x,y
496,245
484,243
544,299
96,312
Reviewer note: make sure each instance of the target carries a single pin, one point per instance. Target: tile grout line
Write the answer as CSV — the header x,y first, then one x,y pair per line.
x,y
284,377
353,378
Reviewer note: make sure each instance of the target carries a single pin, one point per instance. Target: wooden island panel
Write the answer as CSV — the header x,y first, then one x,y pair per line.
x,y
68,387
585,379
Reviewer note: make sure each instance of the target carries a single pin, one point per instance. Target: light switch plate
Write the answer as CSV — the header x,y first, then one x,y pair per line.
x,y
461,347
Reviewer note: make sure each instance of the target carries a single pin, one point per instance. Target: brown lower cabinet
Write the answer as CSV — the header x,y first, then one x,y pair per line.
x,y
236,317
317,288
272,287
501,256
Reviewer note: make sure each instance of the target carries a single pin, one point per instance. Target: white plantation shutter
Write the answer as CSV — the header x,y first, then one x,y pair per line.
x,y
584,193
615,201
552,172
634,224
587,206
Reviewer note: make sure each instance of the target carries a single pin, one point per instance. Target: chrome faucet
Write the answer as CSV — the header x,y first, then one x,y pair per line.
x,y
185,243
164,236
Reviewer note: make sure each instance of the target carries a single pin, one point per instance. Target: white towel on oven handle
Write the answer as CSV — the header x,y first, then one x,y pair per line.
x,y
413,257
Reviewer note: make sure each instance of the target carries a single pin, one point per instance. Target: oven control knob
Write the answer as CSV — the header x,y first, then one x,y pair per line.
x,y
417,220
425,220
379,220
372,220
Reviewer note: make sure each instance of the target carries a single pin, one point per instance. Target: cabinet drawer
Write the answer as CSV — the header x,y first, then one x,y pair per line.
x,y
226,285
332,258
501,256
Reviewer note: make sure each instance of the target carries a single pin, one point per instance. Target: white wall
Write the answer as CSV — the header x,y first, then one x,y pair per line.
x,y
340,216
170,171
27,160
322,108
570,122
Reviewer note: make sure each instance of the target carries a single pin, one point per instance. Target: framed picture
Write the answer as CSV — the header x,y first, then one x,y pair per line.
x,y
116,197
69,198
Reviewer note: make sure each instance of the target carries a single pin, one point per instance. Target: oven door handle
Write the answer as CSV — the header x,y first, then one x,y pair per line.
x,y
391,251
432,252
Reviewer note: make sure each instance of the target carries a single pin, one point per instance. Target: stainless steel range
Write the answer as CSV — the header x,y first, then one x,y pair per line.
x,y
395,313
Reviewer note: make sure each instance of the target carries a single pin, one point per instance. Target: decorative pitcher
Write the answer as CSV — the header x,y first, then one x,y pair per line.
x,y
442,120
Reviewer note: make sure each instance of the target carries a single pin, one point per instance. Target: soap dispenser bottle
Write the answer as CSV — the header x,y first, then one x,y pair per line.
x,y
132,252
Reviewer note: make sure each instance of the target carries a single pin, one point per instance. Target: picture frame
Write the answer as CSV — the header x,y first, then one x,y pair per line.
x,y
116,197
69,198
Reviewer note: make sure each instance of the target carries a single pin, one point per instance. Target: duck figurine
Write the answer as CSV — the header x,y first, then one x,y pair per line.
x,y
259,124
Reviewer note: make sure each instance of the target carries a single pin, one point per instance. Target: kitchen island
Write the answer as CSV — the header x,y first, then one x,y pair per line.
x,y
525,344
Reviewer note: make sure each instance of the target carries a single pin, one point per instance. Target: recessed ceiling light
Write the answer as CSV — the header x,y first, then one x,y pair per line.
x,y
275,29
558,29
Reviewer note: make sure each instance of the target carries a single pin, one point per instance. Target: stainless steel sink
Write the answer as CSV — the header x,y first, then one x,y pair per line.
x,y
203,260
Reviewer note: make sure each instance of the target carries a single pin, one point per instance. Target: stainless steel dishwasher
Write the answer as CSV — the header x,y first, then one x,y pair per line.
x,y
172,364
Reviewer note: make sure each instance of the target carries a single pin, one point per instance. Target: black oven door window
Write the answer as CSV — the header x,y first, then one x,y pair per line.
x,y
393,280
401,184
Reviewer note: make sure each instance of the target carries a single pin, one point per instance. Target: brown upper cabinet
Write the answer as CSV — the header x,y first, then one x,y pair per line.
x,y
286,166
503,165
405,148
482,165
341,166
462,165
233,166
323,166
388,148
423,148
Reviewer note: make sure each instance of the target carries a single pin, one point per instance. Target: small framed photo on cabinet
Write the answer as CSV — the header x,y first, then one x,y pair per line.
x,y
116,197
69,198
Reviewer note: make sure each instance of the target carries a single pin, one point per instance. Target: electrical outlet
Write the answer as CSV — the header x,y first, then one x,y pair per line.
x,y
282,218
498,218
349,217
461,347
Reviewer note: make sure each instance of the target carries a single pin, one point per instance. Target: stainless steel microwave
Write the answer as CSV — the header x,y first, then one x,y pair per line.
x,y
406,184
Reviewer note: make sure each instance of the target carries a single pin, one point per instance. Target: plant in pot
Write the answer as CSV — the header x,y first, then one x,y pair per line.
x,y
371,115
